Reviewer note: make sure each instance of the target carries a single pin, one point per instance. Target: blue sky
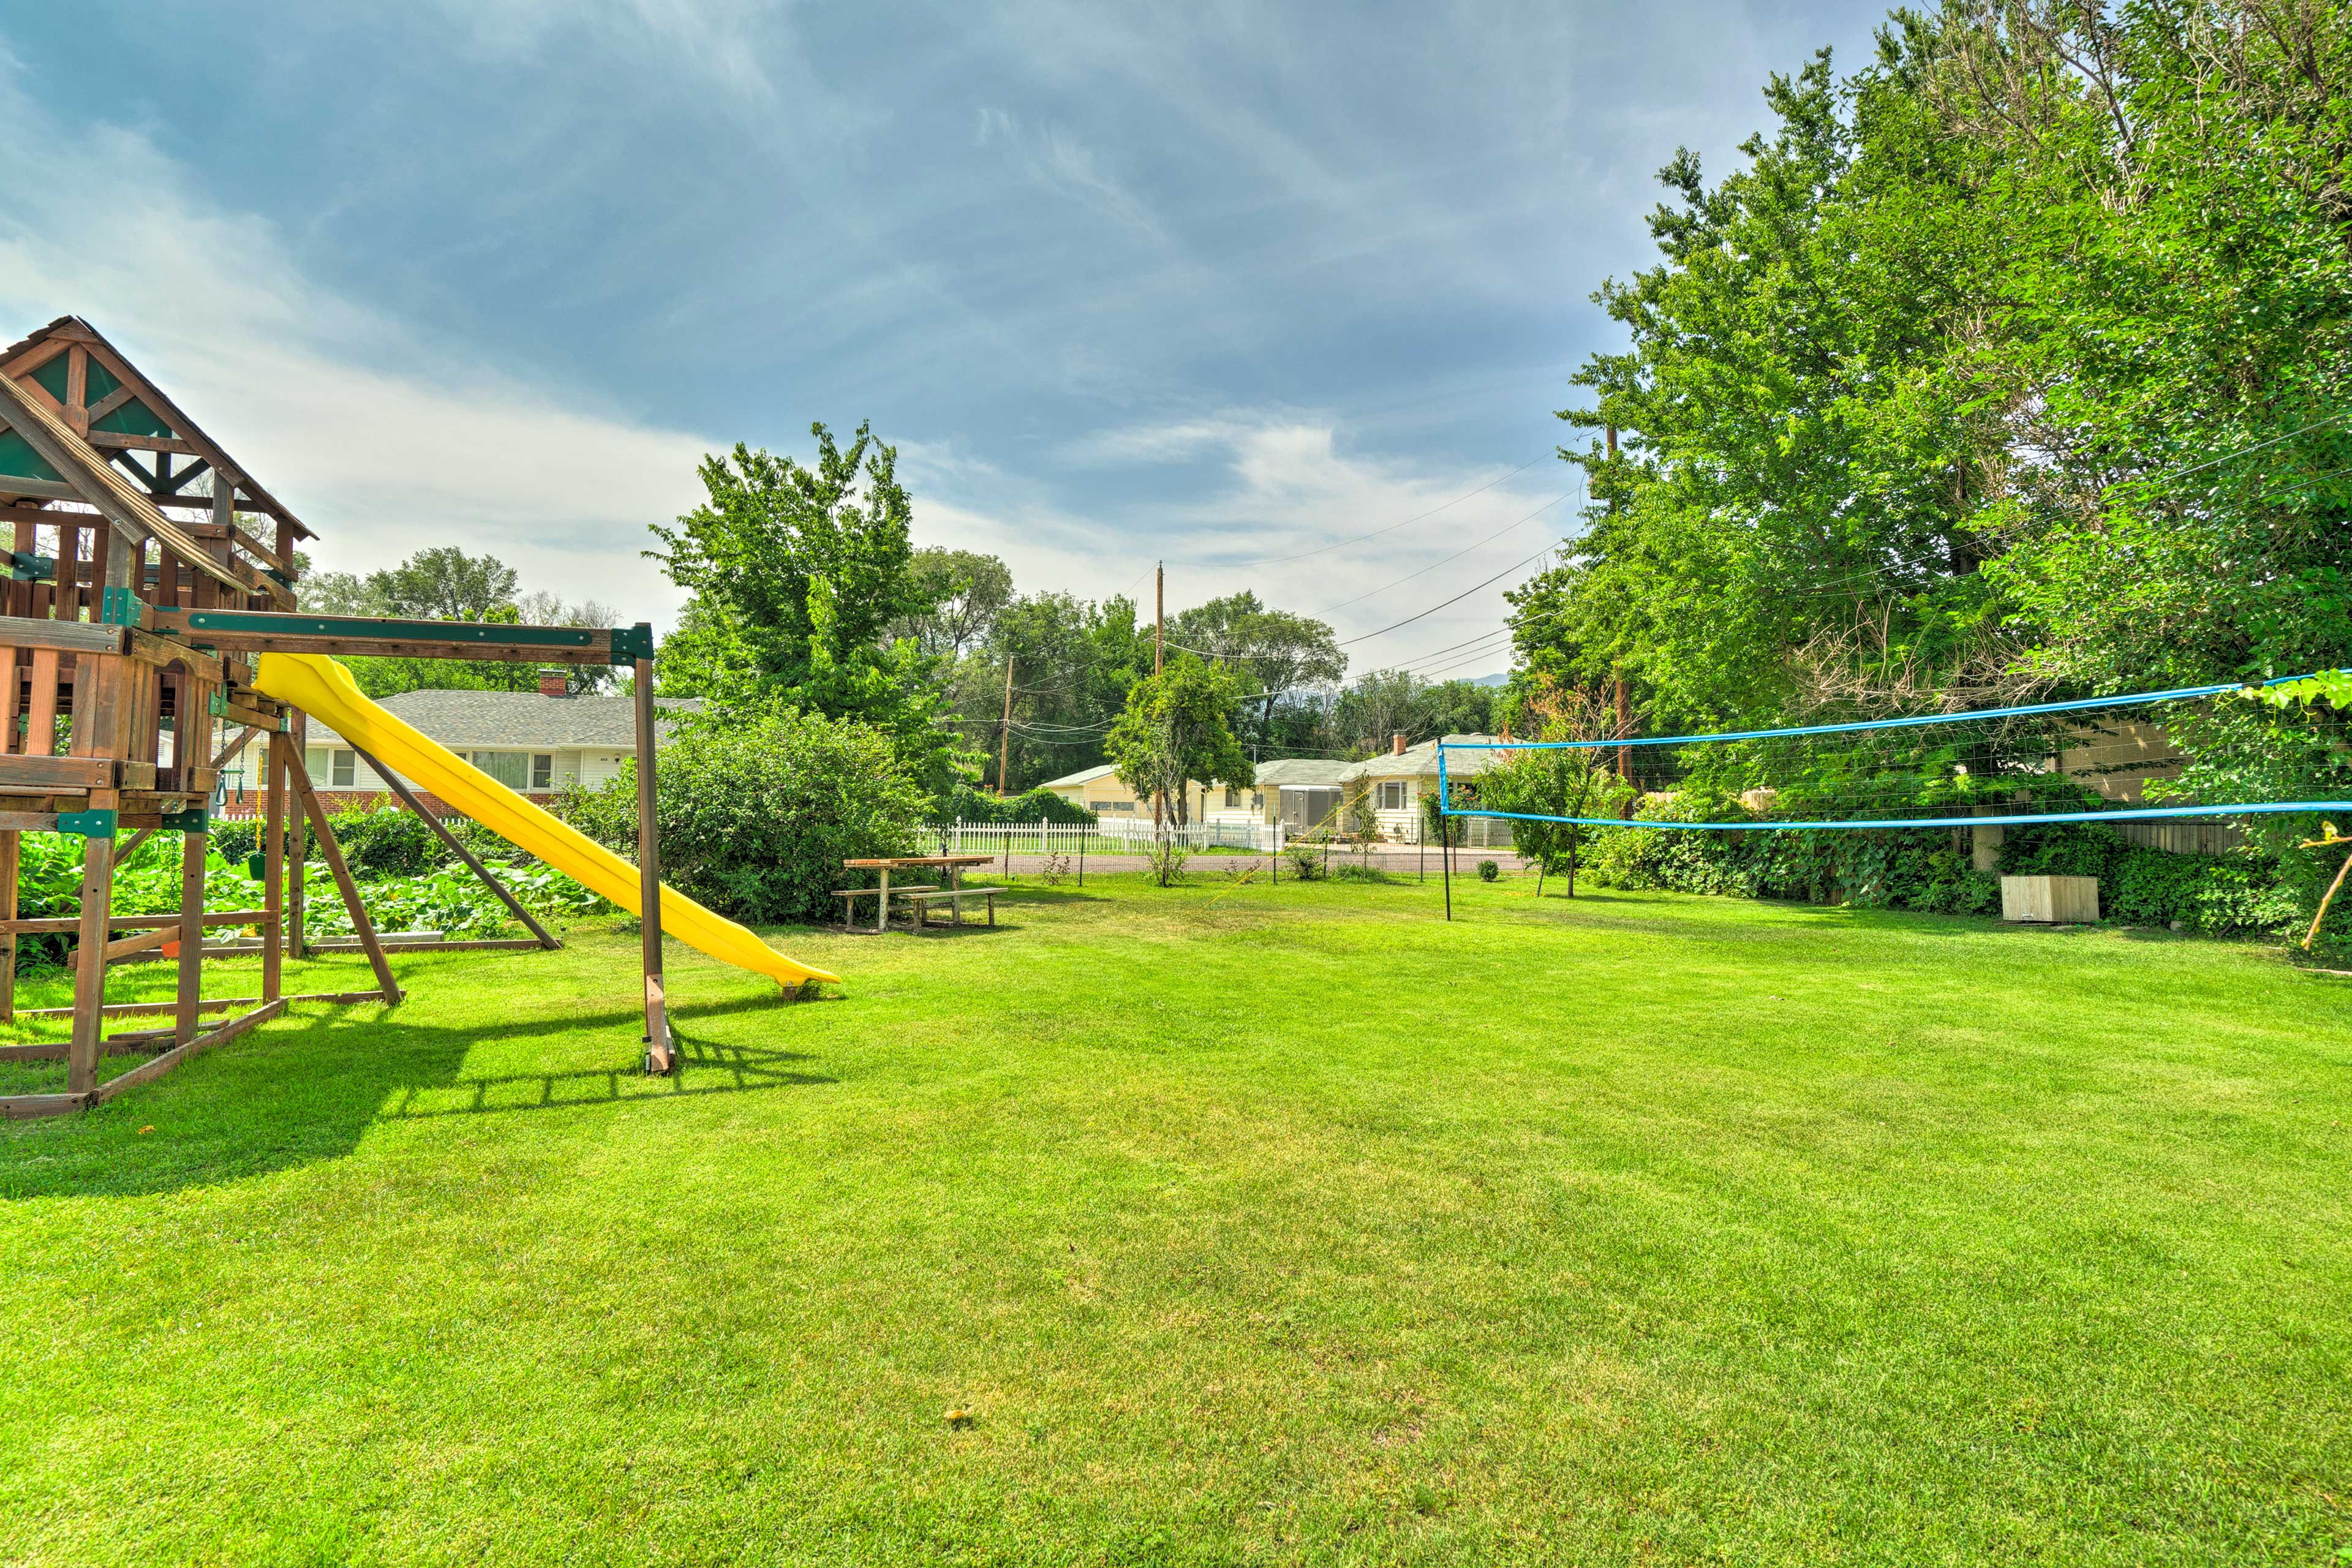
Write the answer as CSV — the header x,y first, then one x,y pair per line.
x,y
1213,283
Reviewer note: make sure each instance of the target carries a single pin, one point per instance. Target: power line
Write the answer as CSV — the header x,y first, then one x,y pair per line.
x,y
1457,598
1449,560
1391,528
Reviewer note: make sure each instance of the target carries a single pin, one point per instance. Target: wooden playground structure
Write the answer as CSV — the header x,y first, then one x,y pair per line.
x,y
149,573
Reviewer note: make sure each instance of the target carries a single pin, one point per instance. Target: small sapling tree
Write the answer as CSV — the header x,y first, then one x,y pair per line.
x,y
1575,781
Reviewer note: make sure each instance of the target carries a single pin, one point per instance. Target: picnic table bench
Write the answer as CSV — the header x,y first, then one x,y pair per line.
x,y
952,865
953,898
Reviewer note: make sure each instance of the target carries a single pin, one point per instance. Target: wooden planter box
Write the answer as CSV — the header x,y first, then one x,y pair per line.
x,y
2050,901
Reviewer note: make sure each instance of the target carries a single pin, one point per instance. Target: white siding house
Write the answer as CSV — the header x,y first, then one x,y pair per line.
x,y
535,742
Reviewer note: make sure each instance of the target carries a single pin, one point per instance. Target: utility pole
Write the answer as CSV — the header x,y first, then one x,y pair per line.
x,y
1005,730
1624,729
1158,634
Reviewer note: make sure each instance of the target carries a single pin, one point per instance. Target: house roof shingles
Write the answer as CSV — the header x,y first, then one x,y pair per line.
x,y
520,718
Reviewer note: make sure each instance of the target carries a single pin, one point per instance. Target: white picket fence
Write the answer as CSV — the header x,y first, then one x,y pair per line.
x,y
1118,836
1109,837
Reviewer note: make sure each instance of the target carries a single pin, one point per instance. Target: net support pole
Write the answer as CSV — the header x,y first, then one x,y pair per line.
x,y
1445,835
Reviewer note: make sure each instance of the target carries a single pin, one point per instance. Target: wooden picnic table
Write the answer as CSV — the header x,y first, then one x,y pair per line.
x,y
952,865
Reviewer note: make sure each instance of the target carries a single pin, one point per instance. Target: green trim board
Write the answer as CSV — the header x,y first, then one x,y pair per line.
x,y
266,623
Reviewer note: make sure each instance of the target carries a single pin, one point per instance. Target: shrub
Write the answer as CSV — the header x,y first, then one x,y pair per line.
x,y
758,811
1360,872
1167,857
1305,856
1488,870
965,803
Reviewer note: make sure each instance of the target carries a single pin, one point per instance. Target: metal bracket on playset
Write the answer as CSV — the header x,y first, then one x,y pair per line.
x,y
196,819
89,824
119,606
631,644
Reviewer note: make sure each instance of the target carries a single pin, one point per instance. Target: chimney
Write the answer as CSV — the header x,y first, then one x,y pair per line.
x,y
1396,743
552,681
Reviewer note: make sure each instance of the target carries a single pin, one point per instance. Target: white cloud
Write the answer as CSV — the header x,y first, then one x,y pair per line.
x,y
383,438
1283,484
1055,157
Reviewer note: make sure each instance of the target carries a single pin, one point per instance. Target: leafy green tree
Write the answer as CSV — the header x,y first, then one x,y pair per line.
x,y
445,584
967,589
1276,651
798,573
1177,727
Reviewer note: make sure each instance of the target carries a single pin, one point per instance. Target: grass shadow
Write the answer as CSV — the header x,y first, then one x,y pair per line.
x,y
305,1089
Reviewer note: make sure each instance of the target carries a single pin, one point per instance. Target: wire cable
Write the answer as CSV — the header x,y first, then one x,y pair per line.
x,y
1391,528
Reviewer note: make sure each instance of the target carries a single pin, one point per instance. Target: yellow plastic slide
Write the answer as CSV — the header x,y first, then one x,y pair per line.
x,y
319,686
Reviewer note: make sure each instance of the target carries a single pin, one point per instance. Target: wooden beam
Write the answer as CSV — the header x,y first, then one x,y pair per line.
x,y
332,854
25,773
147,1072
473,863
270,631
660,1058
273,861
35,925
89,963
191,978
216,1005
116,440
111,402
483,944
24,1107
69,636
45,490
11,847
124,946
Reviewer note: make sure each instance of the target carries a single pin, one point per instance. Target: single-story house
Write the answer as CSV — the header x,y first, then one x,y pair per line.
x,y
1097,789
1300,792
1399,777
537,743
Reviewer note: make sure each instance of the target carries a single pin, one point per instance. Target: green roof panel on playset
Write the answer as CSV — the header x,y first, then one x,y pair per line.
x,y
134,418
17,456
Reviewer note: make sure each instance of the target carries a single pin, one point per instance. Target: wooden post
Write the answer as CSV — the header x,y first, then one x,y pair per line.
x,y
90,958
1005,730
333,853
473,863
298,853
10,847
193,851
273,870
659,1057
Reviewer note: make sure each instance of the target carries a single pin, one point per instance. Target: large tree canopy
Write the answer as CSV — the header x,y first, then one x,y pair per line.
x,y
2012,363
799,573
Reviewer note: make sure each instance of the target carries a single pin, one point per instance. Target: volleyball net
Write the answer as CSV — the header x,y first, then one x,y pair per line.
x,y
2193,752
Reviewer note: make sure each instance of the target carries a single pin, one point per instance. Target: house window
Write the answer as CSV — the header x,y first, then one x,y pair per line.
x,y
511,769
314,762
1122,806
1392,795
542,770
1258,800
1232,797
344,772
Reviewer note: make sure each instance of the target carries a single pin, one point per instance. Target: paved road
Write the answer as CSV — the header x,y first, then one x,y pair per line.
x,y
1404,858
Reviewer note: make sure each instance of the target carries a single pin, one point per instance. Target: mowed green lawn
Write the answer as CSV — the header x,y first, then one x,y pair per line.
x,y
1255,1224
